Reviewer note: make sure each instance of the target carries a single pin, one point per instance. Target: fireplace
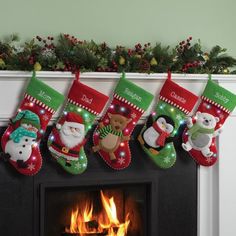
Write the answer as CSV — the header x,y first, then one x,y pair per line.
x,y
120,209
162,202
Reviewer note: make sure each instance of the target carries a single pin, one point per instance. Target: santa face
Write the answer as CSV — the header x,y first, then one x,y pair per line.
x,y
72,134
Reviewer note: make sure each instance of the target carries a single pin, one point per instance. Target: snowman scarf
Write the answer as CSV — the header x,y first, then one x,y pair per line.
x,y
20,133
160,141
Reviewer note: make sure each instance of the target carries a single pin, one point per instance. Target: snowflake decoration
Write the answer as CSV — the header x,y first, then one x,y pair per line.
x,y
222,116
209,159
88,119
78,166
178,117
45,117
121,161
133,115
31,166
167,160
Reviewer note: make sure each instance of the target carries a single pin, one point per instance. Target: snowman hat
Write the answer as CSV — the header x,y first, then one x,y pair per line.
x,y
27,117
75,120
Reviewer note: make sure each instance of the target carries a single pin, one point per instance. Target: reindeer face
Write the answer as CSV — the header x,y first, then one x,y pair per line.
x,y
118,122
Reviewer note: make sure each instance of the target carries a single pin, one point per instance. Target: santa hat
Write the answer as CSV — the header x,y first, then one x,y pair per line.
x,y
72,118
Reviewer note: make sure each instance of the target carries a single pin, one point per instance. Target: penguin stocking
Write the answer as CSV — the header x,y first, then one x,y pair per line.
x,y
156,137
20,140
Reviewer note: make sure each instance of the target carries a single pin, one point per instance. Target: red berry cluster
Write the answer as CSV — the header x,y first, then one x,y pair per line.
x,y
31,60
184,45
188,65
70,67
72,39
144,65
139,49
47,42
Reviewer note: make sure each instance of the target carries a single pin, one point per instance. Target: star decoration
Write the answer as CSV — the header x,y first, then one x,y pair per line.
x,y
133,115
209,159
31,166
167,160
121,161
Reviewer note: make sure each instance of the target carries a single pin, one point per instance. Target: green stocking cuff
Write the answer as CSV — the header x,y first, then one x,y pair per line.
x,y
45,94
219,96
133,93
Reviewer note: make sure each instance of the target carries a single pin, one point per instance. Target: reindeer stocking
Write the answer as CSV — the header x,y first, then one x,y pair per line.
x,y
113,132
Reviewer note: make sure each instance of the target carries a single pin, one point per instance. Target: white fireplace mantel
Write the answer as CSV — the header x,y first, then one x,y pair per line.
x,y
216,188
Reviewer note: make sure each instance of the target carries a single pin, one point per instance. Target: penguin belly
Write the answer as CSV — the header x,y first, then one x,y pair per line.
x,y
150,136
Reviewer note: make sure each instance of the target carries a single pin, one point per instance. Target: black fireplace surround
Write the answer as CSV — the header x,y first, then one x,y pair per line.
x,y
171,195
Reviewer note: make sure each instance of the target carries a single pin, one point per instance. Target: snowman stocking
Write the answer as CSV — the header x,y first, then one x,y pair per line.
x,y
68,136
156,137
20,140
113,132
202,130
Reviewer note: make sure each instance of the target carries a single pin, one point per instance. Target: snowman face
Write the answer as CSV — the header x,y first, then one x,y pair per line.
x,y
168,128
29,127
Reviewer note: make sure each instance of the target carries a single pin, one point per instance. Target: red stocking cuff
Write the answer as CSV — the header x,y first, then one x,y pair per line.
x,y
178,96
86,97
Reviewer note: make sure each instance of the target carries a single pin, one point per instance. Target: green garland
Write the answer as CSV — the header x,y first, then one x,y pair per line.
x,y
67,53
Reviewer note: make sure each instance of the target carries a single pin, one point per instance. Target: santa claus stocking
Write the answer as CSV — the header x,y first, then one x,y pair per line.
x,y
20,140
113,132
68,136
156,137
199,138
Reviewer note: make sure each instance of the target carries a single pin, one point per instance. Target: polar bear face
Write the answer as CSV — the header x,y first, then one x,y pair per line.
x,y
206,120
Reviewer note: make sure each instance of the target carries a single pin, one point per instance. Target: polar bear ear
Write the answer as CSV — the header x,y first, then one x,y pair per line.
x,y
217,119
198,114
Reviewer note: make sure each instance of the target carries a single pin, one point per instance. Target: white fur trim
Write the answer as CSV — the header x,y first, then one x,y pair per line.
x,y
58,126
74,125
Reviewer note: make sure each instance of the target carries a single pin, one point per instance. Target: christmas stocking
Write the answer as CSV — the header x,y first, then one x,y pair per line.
x,y
20,140
156,137
113,132
68,136
200,134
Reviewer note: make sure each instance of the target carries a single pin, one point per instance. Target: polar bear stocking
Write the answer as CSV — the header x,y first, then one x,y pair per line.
x,y
199,138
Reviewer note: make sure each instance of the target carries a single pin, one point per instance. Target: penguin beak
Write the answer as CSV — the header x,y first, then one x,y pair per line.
x,y
163,127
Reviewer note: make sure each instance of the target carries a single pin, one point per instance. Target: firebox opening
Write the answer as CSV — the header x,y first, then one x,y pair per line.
x,y
117,210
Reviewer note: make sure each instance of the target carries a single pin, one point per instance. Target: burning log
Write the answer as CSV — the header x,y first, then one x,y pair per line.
x,y
84,234
93,224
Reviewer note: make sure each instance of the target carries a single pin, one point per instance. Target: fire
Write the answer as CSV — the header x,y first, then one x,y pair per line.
x,y
84,222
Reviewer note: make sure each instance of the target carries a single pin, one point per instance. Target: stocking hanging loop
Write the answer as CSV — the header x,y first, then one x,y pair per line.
x,y
169,75
77,75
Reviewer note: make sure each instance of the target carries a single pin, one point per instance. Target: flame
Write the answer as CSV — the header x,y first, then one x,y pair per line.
x,y
107,220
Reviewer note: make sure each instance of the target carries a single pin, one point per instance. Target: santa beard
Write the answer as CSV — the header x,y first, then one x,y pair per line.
x,y
71,138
